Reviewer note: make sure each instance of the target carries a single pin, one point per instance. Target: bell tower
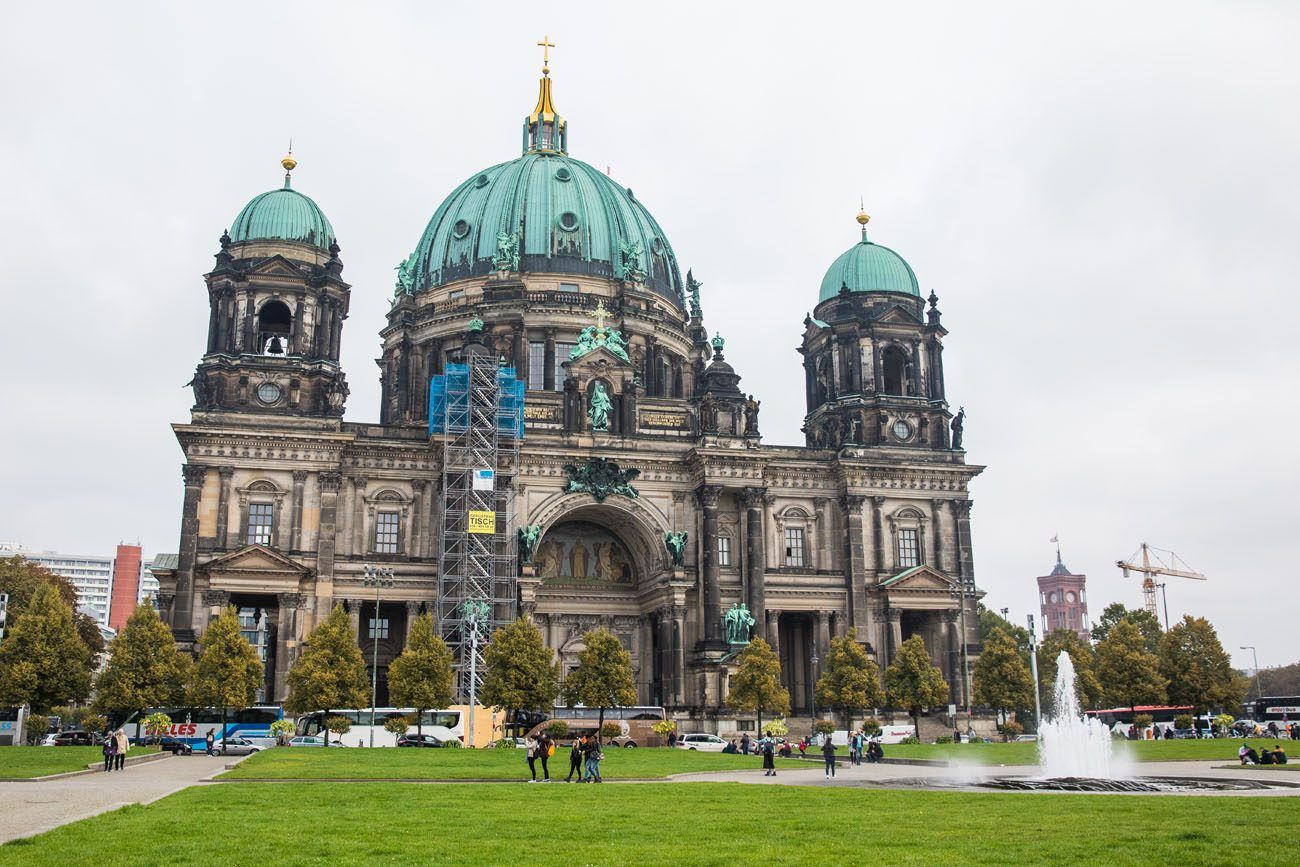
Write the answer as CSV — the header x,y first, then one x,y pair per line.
x,y
277,304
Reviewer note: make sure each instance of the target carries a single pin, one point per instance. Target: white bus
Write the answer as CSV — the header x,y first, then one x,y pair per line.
x,y
442,724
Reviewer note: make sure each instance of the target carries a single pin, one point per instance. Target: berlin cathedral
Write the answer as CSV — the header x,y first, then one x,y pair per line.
x,y
864,530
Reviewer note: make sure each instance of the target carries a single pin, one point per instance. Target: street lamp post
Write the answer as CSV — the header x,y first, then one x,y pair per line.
x,y
814,660
1033,664
1259,693
1165,596
376,577
477,613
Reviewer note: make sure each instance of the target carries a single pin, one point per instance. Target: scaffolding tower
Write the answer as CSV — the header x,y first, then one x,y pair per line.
x,y
477,407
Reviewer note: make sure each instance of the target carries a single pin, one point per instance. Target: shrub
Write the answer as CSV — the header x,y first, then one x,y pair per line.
x,y
156,724
94,722
611,730
777,728
457,743
1223,722
664,728
871,726
1142,720
910,739
503,743
1183,721
37,726
1011,729
946,739
283,729
557,729
339,725
823,727
397,725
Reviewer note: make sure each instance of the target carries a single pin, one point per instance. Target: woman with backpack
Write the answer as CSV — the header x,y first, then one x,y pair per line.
x,y
544,750
530,746
768,746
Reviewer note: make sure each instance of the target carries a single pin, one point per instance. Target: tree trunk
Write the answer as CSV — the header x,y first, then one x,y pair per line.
x,y
760,721
916,724
419,721
600,725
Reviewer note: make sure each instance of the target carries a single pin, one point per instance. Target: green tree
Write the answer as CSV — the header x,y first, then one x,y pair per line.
x,y
1002,681
1197,667
850,680
144,668
522,673
421,676
19,578
228,672
1144,620
990,621
603,677
913,682
330,672
1081,655
43,661
1129,673
756,685
397,725
1280,680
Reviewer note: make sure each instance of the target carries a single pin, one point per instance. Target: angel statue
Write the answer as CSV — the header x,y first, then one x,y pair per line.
x,y
528,536
675,542
601,406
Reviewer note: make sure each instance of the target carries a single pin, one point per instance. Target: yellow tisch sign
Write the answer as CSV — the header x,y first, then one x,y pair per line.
x,y
482,522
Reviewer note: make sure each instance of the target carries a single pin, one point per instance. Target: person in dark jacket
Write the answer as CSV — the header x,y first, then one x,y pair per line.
x,y
575,760
593,756
543,754
828,753
110,751
768,746
744,743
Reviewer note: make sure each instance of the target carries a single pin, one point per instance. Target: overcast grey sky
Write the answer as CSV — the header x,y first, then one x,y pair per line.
x,y
1104,197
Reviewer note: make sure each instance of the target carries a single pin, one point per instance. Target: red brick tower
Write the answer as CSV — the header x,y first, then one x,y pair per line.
x,y
1064,600
126,585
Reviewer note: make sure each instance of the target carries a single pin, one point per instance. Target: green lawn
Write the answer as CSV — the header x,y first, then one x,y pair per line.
x,y
703,823
315,763
1027,753
18,763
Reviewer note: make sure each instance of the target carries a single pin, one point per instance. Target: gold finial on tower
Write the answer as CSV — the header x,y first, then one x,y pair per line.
x,y
863,218
289,164
546,45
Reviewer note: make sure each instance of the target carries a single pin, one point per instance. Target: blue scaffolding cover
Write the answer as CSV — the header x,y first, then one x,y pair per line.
x,y
510,421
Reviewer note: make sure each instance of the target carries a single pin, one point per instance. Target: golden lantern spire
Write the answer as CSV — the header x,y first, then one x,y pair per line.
x,y
546,45
863,218
545,130
288,163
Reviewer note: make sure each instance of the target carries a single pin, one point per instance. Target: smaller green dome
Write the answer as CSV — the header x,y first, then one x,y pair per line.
x,y
285,214
868,267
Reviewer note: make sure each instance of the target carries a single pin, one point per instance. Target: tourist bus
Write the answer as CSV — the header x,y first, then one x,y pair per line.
x,y
1123,716
192,724
636,724
446,724
1275,708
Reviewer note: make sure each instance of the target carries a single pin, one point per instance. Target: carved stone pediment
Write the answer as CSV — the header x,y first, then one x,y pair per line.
x,y
275,266
254,569
924,579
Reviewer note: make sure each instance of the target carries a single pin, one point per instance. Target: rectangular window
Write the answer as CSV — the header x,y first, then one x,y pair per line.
x,y
745,725
536,365
259,523
909,552
724,551
386,524
569,287
378,625
561,356
794,546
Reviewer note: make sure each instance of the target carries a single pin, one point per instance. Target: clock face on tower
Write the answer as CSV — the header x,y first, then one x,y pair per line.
x,y
268,392
902,430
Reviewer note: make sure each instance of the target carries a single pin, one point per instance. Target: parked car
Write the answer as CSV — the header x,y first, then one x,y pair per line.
x,y
701,742
312,741
418,740
1025,739
175,747
48,740
77,739
238,747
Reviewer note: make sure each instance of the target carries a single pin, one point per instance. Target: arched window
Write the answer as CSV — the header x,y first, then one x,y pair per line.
x,y
894,364
274,321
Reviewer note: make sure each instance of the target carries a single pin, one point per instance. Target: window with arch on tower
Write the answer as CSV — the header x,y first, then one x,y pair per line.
x,y
894,364
274,323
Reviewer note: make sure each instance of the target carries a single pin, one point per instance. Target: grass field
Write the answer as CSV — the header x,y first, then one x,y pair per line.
x,y
1027,753
701,823
303,763
18,763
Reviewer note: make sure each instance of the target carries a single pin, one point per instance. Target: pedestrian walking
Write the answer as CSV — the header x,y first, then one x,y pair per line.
x,y
828,753
575,760
110,751
530,745
594,756
855,748
744,744
768,746
209,742
123,745
544,750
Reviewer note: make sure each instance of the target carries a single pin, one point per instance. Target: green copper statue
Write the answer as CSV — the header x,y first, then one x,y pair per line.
x,y
600,408
528,536
675,542
507,257
405,275
739,622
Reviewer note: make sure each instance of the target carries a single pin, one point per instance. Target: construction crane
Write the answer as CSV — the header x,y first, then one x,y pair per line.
x,y
1149,572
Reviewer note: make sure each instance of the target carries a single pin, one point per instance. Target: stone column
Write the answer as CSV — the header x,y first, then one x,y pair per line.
x,y
215,601
821,545
878,536
358,515
354,614
325,535
666,657
895,618
223,506
679,652
936,528
415,535
755,562
644,660
965,562
823,640
183,612
708,495
286,639
412,612
952,631
855,572
773,618
916,368
548,362
295,522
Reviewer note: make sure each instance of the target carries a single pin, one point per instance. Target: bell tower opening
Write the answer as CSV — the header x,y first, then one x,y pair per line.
x,y
274,322
894,362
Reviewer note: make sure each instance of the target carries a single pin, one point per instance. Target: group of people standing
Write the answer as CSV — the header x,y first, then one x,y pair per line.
x,y
860,744
584,758
116,746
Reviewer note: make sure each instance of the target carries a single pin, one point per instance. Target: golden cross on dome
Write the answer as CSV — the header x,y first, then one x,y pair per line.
x,y
546,45
600,314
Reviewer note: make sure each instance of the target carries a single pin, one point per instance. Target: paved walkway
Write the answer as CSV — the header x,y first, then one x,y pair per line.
x,y
30,808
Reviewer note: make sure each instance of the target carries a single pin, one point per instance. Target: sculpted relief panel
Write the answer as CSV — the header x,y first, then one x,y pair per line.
x,y
578,552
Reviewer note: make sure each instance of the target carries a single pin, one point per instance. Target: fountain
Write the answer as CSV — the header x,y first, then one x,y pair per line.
x,y
1071,744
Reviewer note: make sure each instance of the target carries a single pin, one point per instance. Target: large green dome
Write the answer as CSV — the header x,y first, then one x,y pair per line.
x,y
284,214
565,216
868,267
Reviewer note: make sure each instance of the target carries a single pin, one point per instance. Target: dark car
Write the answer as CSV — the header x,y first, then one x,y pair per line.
x,y
77,739
175,747
418,741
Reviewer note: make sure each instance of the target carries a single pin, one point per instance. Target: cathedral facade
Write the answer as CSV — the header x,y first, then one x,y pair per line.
x,y
862,531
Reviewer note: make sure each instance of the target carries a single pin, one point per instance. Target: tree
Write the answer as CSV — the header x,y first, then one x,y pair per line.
x,y
43,661
990,621
913,682
20,578
522,673
397,725
1001,679
421,676
228,672
850,681
1197,667
756,685
144,668
603,677
339,725
1281,680
1129,673
1081,655
330,672
1144,620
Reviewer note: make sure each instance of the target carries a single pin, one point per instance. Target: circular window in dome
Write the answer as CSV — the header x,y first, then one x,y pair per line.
x,y
568,221
481,181
460,229
563,175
